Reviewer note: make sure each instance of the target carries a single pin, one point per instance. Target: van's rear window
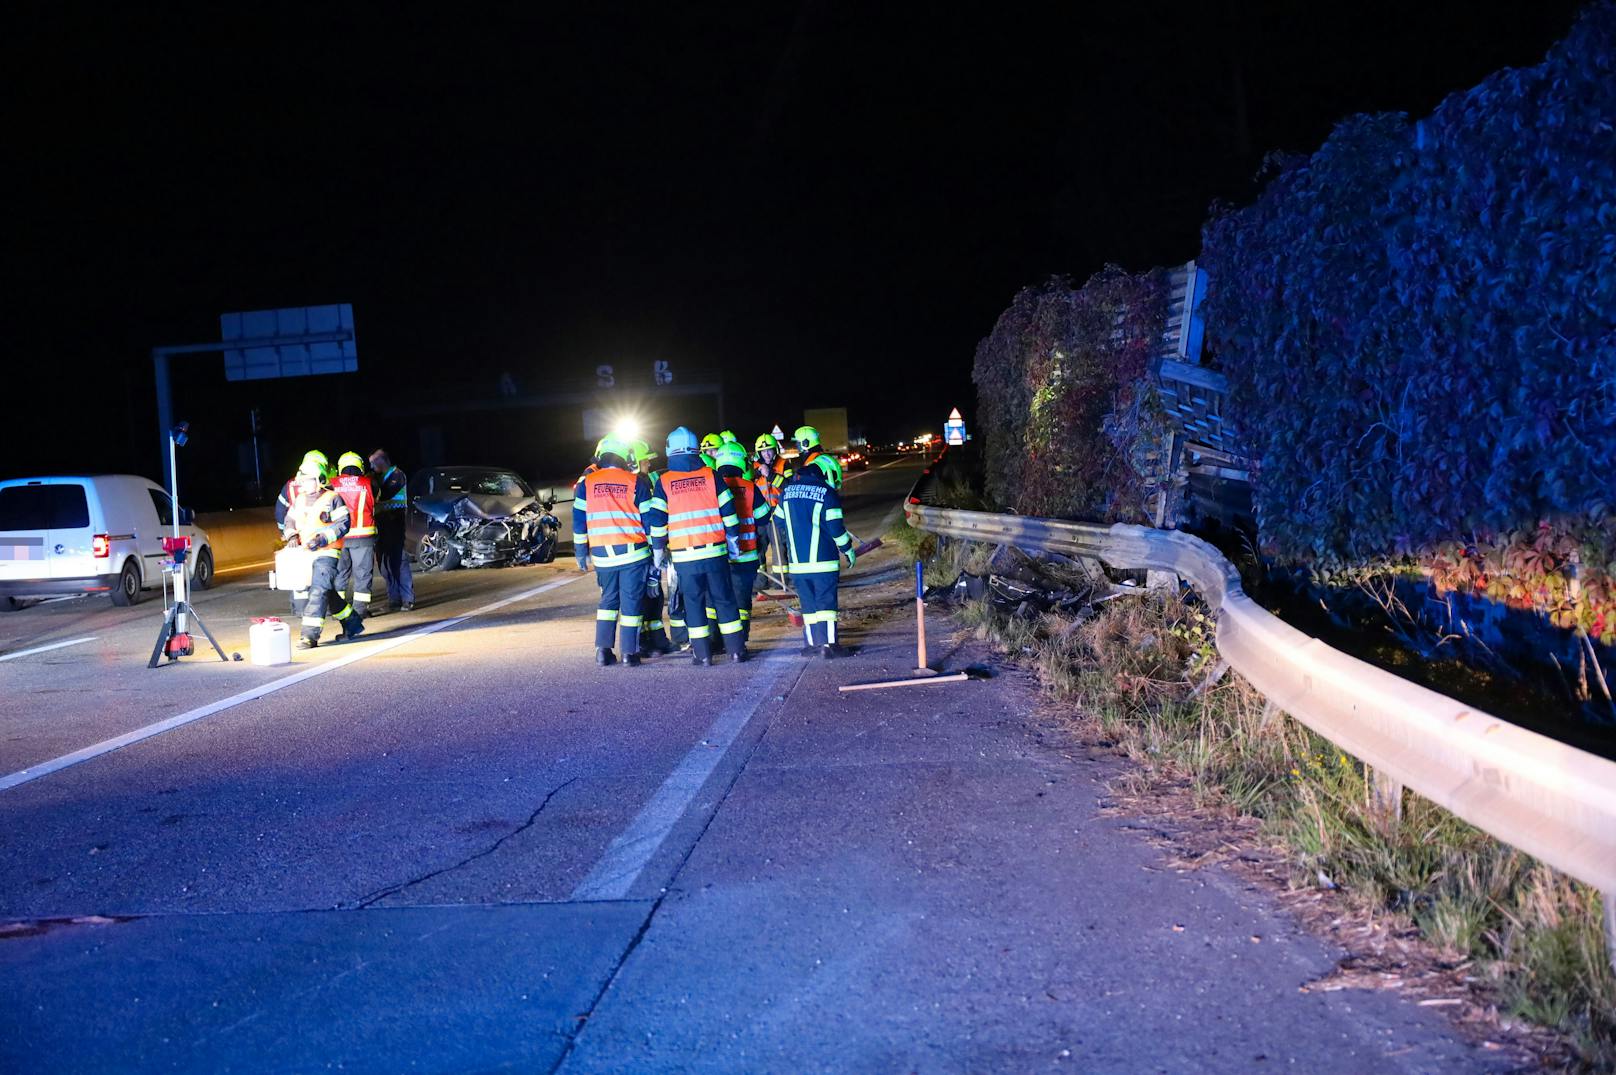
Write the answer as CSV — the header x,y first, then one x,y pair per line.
x,y
43,507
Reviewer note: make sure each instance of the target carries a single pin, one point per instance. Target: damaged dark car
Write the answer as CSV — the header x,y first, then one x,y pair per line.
x,y
478,517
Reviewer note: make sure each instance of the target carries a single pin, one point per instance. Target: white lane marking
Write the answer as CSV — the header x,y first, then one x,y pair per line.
x,y
107,746
614,875
44,649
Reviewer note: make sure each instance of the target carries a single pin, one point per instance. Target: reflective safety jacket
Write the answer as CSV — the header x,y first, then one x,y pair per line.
x,y
692,512
812,512
392,492
322,515
356,493
771,479
609,506
751,508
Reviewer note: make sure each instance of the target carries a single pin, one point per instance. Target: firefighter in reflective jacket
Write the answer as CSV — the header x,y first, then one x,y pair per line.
x,y
315,461
772,474
811,513
751,509
693,526
317,519
609,532
356,567
770,468
653,628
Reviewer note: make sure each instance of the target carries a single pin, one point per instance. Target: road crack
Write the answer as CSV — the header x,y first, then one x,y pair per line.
x,y
394,889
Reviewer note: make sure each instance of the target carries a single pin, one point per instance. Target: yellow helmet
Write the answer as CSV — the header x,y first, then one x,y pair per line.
x,y
350,459
731,455
610,445
315,462
710,442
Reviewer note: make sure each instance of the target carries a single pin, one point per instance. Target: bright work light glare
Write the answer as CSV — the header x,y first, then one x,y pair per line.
x,y
626,429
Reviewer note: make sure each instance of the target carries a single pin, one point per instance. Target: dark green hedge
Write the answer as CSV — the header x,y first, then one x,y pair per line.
x,y
1419,320
1070,425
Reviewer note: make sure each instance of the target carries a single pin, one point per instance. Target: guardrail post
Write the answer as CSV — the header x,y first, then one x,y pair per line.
x,y
1385,798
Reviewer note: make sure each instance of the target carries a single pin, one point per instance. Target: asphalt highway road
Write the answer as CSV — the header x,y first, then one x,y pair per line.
x,y
461,846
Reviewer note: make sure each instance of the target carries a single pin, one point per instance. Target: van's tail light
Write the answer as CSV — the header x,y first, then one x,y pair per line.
x,y
101,545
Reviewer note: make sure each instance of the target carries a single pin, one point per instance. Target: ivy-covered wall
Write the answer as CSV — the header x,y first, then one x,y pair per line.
x,y
1419,320
1070,424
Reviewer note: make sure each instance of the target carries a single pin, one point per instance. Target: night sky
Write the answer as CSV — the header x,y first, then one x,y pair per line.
x,y
828,202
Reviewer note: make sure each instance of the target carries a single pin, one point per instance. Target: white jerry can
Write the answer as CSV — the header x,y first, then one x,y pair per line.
x,y
271,642
294,569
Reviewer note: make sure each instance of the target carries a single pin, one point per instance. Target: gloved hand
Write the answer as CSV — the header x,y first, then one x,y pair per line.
x,y
660,559
583,560
734,546
291,540
318,541
325,516
852,555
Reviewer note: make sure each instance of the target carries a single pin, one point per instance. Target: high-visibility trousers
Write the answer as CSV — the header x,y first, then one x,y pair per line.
x,y
324,600
816,594
622,591
356,568
703,583
651,621
743,580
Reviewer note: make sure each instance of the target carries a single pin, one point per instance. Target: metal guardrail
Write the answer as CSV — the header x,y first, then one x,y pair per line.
x,y
1548,799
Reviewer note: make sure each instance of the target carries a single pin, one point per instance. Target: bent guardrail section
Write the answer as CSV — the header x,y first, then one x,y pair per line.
x,y
1550,800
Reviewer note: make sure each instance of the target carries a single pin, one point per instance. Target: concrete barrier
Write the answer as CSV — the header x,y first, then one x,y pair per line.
x,y
242,540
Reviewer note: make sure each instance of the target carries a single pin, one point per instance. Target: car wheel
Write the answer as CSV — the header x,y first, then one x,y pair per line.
x,y
437,553
202,577
547,546
127,589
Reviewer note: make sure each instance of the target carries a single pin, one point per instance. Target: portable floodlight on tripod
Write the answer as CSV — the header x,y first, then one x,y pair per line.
x,y
174,639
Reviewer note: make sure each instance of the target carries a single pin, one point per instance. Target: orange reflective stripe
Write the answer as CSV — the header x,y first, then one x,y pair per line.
x,y
693,514
611,514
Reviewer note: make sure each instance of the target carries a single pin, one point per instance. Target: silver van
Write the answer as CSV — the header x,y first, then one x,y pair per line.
x,y
94,534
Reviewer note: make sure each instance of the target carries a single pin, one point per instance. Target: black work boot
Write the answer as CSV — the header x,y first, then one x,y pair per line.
x,y
831,651
605,657
631,660
739,655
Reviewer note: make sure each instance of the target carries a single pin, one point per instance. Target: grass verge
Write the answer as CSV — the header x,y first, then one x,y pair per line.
x,y
1517,933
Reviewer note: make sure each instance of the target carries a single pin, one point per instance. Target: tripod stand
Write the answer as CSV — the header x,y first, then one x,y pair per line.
x,y
174,638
